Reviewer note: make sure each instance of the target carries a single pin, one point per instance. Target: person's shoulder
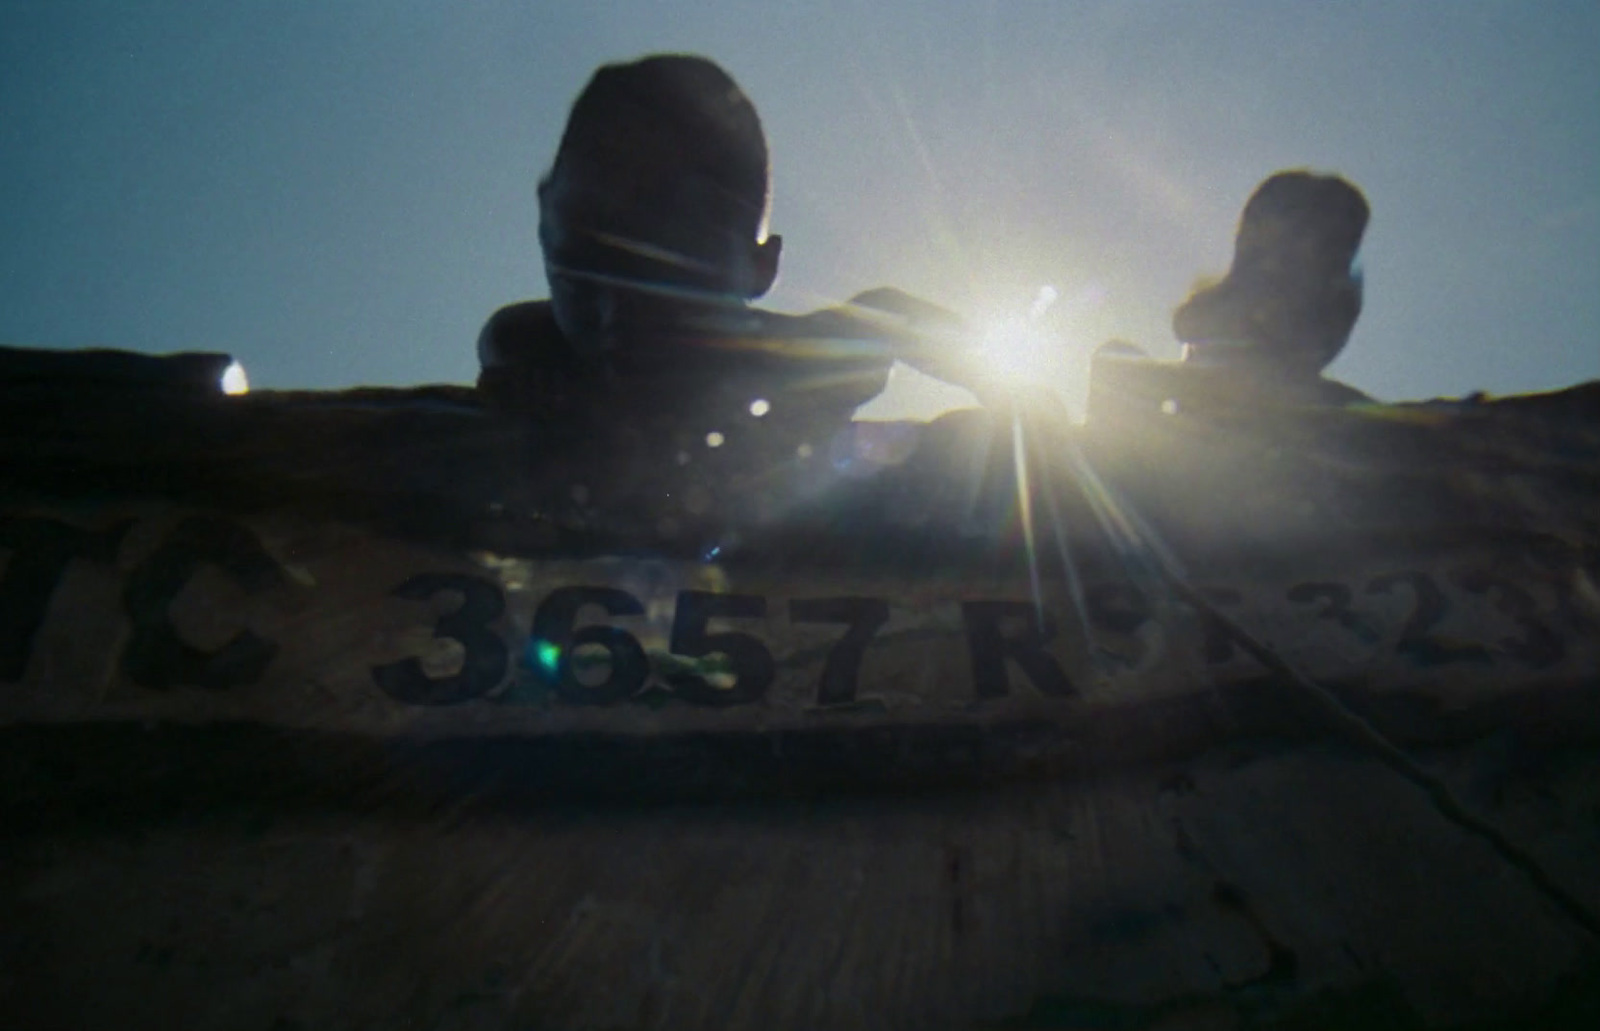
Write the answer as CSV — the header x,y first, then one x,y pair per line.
x,y
524,333
1338,394
524,361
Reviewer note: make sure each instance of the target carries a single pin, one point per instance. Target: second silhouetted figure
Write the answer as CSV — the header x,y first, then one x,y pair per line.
x,y
1293,293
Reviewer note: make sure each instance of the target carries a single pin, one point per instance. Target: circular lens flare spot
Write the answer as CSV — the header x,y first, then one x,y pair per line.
x,y
547,656
715,439
759,407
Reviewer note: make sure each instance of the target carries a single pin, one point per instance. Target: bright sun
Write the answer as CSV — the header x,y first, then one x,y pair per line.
x,y
1020,351
1008,354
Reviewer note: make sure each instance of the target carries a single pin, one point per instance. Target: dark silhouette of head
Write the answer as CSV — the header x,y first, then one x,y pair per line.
x,y
655,208
1292,295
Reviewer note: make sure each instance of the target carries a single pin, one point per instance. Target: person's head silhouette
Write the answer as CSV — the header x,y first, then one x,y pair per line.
x,y
654,211
1293,293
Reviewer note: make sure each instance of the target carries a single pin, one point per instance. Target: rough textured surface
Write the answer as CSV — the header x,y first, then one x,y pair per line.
x,y
1176,842
1255,887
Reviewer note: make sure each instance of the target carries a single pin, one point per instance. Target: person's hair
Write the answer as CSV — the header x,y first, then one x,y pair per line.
x,y
1293,290
668,115
1325,214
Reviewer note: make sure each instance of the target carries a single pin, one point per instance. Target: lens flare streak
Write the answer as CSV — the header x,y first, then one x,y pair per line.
x,y
1019,453
1069,568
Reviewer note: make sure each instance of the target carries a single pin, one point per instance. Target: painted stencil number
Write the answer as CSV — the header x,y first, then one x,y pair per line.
x,y
1122,610
1336,608
485,658
559,650
864,617
752,663
1539,646
1428,607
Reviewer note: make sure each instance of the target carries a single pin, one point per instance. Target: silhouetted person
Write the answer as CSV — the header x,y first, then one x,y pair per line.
x,y
1292,295
652,221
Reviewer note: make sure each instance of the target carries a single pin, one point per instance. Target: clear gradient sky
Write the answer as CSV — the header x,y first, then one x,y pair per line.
x,y
340,191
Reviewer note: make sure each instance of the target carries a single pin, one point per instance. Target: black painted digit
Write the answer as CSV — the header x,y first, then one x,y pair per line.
x,y
40,551
752,664
1122,609
990,647
156,656
1539,646
1428,608
1218,638
555,645
865,617
1338,610
484,655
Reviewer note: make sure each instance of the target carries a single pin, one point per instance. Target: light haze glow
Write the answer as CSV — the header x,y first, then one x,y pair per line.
x,y
340,193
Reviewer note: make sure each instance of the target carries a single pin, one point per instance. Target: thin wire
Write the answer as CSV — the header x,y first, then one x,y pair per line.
x,y
1349,724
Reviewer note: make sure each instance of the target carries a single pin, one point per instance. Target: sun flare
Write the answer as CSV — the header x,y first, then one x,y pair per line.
x,y
1015,351
1006,353
1020,350
234,380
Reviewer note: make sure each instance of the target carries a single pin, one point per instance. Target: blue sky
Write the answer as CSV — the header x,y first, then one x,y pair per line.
x,y
339,192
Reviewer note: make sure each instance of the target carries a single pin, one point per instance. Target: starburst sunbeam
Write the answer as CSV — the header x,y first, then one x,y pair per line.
x,y
1019,455
677,292
655,253
1069,568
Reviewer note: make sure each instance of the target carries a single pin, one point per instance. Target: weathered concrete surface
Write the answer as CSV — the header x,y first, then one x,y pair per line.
x,y
1181,850
1254,887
